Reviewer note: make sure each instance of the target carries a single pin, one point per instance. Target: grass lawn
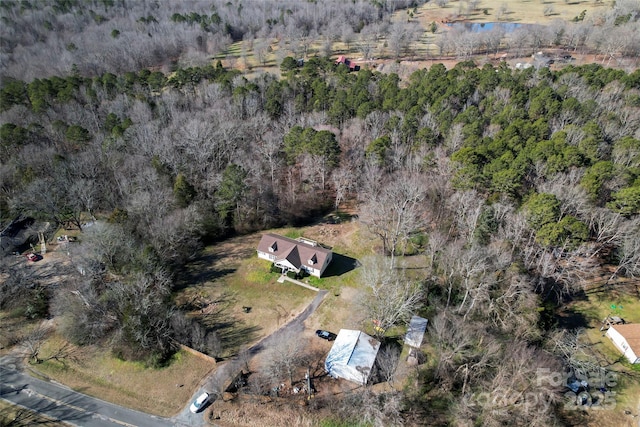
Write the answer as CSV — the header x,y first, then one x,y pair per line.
x,y
230,277
620,300
14,327
95,372
230,274
272,303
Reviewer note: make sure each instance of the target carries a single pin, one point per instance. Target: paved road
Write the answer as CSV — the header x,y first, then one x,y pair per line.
x,y
64,404
61,403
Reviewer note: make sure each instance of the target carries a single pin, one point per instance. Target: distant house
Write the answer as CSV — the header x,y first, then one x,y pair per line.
x,y
540,59
352,356
294,255
344,60
627,339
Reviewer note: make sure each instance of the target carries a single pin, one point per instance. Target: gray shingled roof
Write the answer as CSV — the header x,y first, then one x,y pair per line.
x,y
294,251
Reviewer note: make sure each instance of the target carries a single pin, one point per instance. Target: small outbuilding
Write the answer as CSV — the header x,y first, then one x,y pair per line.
x,y
540,59
415,333
349,63
627,339
352,356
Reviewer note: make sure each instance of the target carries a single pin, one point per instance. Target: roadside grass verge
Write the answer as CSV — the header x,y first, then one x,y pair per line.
x,y
14,329
12,415
94,371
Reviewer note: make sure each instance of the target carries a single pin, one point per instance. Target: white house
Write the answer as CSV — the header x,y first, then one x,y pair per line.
x,y
352,356
294,255
627,339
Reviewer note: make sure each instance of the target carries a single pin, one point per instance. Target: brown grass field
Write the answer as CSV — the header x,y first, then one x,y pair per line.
x,y
523,11
11,415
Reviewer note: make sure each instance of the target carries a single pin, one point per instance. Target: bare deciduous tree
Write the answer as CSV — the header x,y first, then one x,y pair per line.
x,y
284,356
400,37
392,297
343,181
387,362
394,212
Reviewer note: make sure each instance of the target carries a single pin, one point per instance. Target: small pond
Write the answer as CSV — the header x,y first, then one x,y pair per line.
x,y
480,27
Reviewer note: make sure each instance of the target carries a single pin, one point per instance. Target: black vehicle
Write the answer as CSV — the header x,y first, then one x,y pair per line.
x,y
326,335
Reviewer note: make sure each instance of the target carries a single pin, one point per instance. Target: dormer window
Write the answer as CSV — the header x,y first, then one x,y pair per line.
x,y
313,260
273,247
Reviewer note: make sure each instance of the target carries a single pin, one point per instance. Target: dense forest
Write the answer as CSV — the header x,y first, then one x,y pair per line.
x,y
517,184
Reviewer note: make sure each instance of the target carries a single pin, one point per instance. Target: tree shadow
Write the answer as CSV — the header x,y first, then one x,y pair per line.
x,y
387,360
232,333
46,412
568,318
340,264
200,270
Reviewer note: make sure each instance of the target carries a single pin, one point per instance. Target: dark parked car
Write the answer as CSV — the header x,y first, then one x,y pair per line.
x,y
326,335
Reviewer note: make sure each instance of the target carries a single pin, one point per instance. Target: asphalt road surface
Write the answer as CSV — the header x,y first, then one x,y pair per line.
x,y
63,404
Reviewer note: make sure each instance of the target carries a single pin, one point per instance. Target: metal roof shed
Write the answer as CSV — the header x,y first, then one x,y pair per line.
x,y
352,356
415,333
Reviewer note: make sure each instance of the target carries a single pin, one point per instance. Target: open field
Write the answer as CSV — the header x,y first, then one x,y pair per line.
x,y
424,52
522,11
230,275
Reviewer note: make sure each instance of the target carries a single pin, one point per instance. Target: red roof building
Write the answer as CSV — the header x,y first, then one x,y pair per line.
x,y
344,60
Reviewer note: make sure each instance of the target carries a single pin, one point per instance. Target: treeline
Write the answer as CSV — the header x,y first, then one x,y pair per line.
x,y
515,184
43,39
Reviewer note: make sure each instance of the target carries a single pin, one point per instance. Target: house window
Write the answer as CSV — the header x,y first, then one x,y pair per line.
x,y
313,260
273,247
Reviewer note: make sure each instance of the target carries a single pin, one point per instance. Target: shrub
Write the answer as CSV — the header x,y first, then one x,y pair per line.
x,y
275,269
